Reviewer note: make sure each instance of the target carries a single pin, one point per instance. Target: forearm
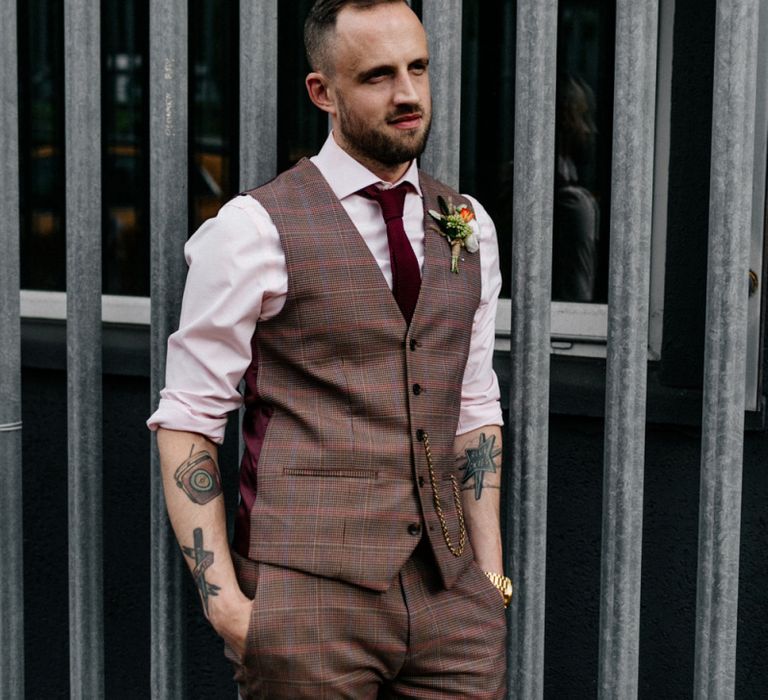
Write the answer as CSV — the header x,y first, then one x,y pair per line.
x,y
478,471
193,495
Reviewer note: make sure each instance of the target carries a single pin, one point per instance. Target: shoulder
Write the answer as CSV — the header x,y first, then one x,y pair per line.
x,y
489,252
481,213
302,171
239,226
486,237
431,187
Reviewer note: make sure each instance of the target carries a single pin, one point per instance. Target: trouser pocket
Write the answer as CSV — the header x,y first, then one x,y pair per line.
x,y
247,572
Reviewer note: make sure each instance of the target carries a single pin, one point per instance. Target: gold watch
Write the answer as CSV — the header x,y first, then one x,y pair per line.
x,y
503,584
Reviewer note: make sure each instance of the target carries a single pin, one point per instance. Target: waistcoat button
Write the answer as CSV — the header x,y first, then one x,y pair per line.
x,y
417,389
414,529
413,344
420,435
421,481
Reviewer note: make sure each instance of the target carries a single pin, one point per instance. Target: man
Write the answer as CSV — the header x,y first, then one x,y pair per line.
x,y
367,556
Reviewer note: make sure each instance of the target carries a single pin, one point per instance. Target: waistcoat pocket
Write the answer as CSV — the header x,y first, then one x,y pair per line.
x,y
340,473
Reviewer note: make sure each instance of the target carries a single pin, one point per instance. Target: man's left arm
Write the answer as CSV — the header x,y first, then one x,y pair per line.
x,y
478,449
478,473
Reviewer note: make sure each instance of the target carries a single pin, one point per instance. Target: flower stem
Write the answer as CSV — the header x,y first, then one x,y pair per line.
x,y
455,249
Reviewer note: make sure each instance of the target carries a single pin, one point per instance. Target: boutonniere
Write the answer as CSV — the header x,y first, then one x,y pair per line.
x,y
453,225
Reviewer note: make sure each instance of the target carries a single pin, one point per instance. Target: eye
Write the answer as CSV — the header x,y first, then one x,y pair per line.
x,y
377,75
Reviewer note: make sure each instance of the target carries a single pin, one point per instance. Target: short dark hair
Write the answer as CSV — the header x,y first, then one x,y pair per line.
x,y
321,20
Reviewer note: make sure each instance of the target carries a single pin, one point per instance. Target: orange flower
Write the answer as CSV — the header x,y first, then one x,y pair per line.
x,y
466,214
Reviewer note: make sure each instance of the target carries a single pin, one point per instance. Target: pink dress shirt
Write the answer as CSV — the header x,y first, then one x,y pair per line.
x,y
237,277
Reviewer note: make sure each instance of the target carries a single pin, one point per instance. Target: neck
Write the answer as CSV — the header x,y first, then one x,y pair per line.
x,y
386,173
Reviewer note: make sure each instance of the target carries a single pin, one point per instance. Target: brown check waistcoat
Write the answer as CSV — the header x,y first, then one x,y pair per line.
x,y
340,389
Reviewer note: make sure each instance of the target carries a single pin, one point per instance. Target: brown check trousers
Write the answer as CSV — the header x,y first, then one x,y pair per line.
x,y
320,638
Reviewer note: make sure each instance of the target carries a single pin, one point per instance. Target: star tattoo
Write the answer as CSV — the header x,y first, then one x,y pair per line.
x,y
203,560
479,462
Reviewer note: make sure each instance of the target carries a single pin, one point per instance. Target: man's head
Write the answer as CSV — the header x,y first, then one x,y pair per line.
x,y
369,63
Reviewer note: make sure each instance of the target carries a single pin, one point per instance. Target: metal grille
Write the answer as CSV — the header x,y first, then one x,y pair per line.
x,y
526,479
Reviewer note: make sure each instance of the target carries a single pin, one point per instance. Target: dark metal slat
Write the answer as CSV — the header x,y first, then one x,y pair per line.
x,y
442,21
82,70
526,500
169,125
258,91
722,447
11,551
627,355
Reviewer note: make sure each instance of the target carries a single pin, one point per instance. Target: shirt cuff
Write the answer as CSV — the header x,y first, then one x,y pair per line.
x,y
472,419
173,415
481,409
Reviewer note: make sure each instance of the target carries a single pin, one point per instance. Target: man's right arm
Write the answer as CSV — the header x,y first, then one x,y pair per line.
x,y
236,278
193,495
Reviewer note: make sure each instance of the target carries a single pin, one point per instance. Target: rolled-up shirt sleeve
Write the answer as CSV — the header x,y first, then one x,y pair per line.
x,y
480,388
236,273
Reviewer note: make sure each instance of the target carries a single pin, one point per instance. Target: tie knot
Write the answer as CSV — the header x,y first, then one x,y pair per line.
x,y
391,200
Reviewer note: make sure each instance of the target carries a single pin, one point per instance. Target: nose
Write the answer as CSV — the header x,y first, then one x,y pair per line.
x,y
405,89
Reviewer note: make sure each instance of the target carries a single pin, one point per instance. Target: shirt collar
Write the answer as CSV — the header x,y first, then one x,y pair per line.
x,y
346,176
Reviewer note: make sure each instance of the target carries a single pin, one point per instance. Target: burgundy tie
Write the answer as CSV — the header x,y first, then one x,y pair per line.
x,y
406,276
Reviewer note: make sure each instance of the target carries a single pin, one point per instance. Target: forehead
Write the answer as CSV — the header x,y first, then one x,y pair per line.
x,y
384,34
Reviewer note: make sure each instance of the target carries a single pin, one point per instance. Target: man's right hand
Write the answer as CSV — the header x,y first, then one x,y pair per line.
x,y
231,621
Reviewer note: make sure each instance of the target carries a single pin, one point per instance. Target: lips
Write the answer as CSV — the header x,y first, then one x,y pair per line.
x,y
407,121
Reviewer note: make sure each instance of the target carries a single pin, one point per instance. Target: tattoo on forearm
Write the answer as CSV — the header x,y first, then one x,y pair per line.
x,y
479,462
485,486
203,561
198,476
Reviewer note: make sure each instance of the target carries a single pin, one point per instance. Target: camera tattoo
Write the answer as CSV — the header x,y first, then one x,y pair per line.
x,y
480,460
203,561
198,476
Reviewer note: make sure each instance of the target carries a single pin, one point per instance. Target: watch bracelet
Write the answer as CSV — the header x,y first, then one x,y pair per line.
x,y
502,584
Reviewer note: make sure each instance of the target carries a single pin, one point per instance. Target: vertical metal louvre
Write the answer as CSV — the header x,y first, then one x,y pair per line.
x,y
11,552
442,21
730,211
624,451
257,106
82,61
168,95
526,499
258,91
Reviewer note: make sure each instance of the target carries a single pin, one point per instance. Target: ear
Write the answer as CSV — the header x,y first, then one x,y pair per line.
x,y
320,92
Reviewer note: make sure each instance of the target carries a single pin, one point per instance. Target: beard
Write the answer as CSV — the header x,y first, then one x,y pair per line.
x,y
380,146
